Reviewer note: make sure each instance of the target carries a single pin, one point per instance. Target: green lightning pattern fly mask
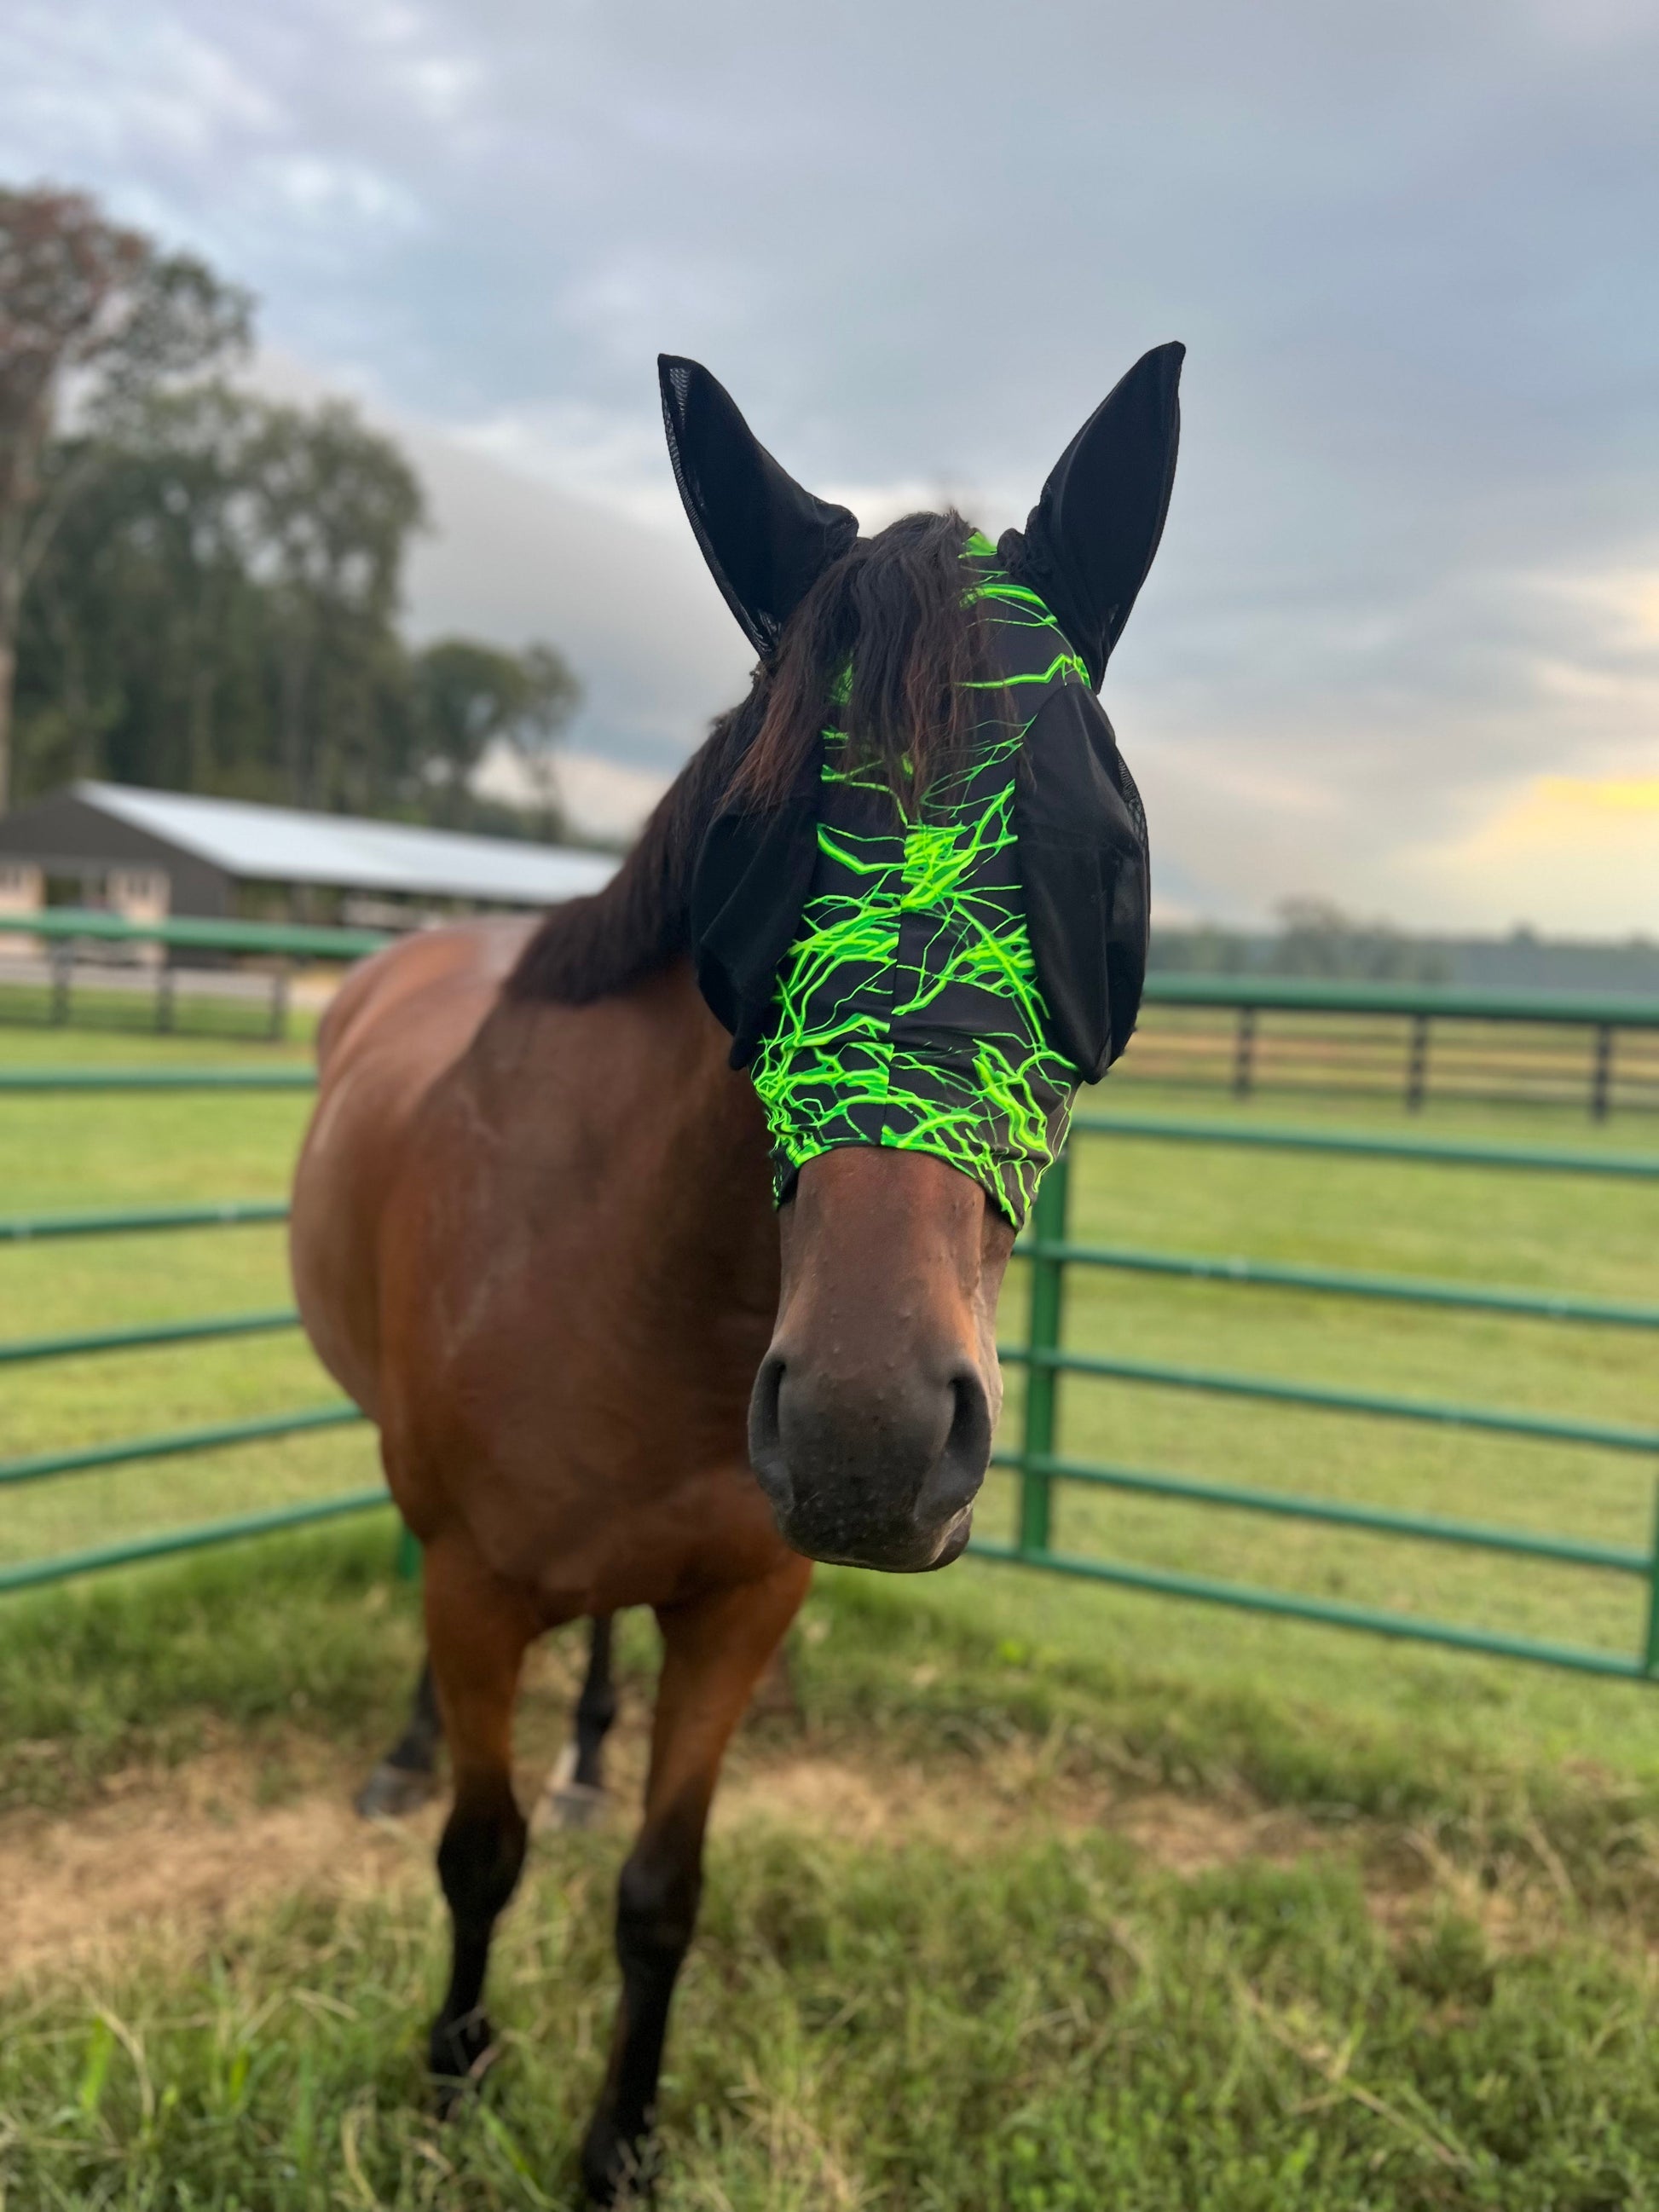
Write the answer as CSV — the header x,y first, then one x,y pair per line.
x,y
939,975
908,1011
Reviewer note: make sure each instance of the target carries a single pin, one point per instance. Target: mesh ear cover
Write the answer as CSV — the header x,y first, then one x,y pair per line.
x,y
766,539
1089,542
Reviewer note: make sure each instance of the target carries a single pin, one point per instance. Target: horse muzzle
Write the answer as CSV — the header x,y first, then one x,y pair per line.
x,y
867,1471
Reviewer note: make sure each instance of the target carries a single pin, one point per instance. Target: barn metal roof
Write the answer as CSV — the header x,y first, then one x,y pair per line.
x,y
282,845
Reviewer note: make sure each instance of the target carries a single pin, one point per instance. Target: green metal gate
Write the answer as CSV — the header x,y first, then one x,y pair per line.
x,y
1047,1359
1044,1354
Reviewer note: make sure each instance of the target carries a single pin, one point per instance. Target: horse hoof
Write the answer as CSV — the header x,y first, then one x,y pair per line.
x,y
568,1803
458,2056
573,1805
615,2169
391,1793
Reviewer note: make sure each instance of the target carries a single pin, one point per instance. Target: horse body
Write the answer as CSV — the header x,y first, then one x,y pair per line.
x,y
549,1271
397,1023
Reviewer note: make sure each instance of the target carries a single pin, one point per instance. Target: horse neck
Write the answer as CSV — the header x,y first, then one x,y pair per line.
x,y
637,1085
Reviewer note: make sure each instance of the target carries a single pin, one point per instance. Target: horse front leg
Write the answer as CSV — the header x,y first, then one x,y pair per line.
x,y
715,1651
478,1631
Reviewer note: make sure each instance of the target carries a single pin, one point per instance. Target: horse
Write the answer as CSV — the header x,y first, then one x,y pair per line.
x,y
662,1238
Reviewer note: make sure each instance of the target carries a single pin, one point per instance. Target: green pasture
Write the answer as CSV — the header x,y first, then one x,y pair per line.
x,y
1443,2000
1598,1239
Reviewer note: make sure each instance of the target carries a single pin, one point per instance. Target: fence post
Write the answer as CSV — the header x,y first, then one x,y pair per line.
x,y
409,1555
1650,1643
278,1026
1048,1221
1417,1066
1244,1053
1602,1073
62,970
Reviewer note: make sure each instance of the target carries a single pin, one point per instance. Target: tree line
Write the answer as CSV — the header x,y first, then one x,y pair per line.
x,y
1315,938
199,588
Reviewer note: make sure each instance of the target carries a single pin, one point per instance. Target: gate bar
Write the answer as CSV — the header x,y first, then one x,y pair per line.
x,y
1249,1598
30,1573
1047,1294
1542,1305
228,1213
177,1441
158,1078
1604,1435
1569,1551
154,1333
1440,1151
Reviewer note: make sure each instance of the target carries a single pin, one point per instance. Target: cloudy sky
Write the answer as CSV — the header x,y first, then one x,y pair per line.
x,y
1401,647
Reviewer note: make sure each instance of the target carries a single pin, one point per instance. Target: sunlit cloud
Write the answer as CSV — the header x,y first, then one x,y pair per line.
x,y
1578,854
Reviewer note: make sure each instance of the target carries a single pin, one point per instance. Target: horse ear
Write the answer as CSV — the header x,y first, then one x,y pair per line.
x,y
1088,541
766,539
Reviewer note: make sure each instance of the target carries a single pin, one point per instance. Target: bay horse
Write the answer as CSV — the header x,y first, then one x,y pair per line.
x,y
662,1240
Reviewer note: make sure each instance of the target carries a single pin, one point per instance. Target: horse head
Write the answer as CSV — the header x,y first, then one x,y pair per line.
x,y
920,907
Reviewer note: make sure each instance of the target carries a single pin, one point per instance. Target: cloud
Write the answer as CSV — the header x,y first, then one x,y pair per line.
x,y
1578,854
602,798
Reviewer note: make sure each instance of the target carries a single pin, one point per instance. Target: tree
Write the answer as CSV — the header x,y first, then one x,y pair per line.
x,y
1318,938
216,611
82,300
469,696
552,695
333,506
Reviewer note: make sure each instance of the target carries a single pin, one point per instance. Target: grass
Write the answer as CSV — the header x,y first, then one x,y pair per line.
x,y
1045,2019
1040,2017
1053,2027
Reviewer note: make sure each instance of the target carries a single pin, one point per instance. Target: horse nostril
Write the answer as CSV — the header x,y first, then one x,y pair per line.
x,y
955,1477
765,1439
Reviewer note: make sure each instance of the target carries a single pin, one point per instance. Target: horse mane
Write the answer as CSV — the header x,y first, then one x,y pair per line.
x,y
893,608
588,947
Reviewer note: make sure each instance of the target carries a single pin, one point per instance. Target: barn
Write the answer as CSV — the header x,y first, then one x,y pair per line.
x,y
151,854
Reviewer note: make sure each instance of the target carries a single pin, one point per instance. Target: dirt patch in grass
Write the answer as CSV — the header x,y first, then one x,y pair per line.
x,y
188,1849
191,1848
188,1852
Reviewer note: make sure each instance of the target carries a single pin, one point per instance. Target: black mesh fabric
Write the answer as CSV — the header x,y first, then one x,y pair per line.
x,y
1089,542
765,538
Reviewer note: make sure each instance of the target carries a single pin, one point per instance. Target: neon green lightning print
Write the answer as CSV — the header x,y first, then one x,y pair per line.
x,y
908,1010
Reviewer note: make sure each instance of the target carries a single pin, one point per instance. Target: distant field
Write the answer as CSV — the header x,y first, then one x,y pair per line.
x,y
67,1153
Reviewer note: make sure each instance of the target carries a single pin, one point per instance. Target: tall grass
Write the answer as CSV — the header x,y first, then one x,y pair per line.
x,y
1046,2024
